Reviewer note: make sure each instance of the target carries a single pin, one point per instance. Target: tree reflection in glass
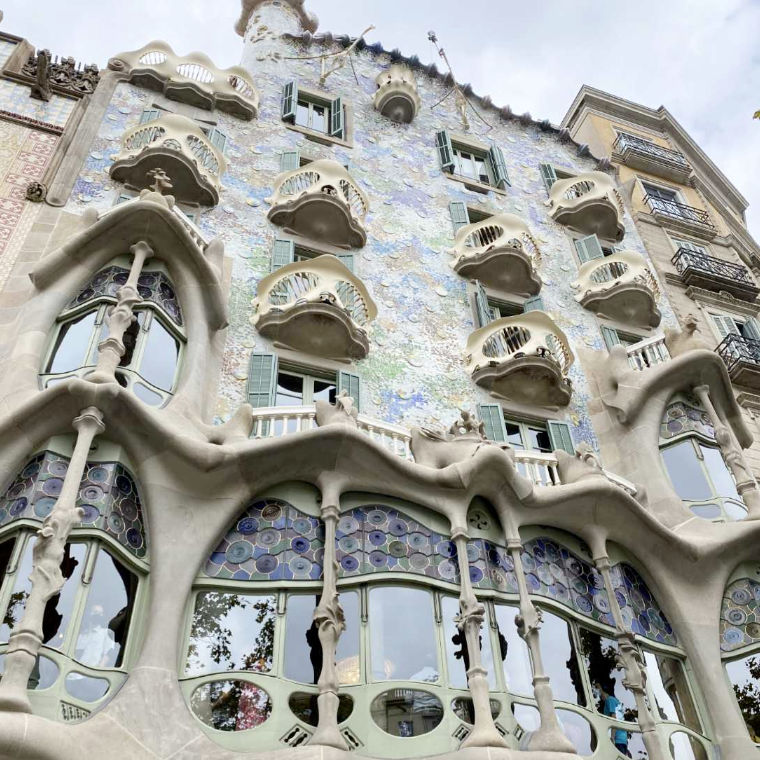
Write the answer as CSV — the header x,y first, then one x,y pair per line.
x,y
745,677
231,632
457,656
667,679
231,705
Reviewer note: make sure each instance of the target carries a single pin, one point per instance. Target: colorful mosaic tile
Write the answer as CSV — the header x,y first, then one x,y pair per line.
x,y
682,417
15,98
739,615
491,567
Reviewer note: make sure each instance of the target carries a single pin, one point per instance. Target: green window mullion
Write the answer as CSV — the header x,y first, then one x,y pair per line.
x,y
589,248
492,417
548,175
498,167
290,160
610,336
445,151
283,253
484,312
289,101
262,379
560,436
459,214
337,125
351,383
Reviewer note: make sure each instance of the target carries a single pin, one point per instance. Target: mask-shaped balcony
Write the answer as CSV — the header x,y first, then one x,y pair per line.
x,y
524,358
320,201
318,306
177,145
396,96
619,287
499,252
588,203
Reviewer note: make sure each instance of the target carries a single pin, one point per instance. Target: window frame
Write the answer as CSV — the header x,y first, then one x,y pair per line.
x,y
308,375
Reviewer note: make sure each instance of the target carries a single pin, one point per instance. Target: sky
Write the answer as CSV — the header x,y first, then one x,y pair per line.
x,y
699,59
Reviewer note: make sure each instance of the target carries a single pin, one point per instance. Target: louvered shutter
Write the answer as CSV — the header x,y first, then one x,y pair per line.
x,y
548,175
218,139
289,101
725,325
492,418
498,167
459,214
445,150
589,248
352,385
484,311
289,160
536,303
283,252
337,119
752,329
149,114
262,379
560,436
610,336
348,260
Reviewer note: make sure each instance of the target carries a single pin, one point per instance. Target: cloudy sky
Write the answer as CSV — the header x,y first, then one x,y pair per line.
x,y
699,58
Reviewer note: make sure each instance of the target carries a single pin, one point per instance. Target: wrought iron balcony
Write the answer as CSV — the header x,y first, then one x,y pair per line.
x,y
177,145
640,153
396,95
620,287
525,358
318,306
708,272
588,203
320,200
680,215
501,253
742,358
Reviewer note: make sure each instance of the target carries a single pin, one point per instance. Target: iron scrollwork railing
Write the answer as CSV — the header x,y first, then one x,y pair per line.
x,y
736,349
652,150
679,211
687,259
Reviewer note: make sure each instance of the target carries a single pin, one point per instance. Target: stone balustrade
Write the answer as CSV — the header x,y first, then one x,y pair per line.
x,y
318,306
589,203
396,95
648,352
501,253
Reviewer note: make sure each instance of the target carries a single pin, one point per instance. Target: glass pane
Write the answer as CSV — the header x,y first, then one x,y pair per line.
x,y
630,743
406,712
231,632
560,660
86,688
719,473
159,360
706,511
514,437
130,338
306,708
578,730
289,390
107,614
667,679
539,439
468,169
685,472
324,391
457,655
464,709
302,114
745,677
44,673
402,634
6,549
147,395
303,650
685,747
347,653
611,698
319,118
70,350
231,705
513,652
480,170
527,717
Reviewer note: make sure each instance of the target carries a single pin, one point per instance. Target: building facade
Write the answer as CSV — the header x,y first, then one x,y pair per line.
x,y
346,412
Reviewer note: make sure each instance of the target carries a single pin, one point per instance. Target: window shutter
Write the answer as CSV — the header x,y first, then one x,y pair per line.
x,y
548,175
337,119
484,311
218,139
498,167
149,114
283,252
560,437
348,260
352,385
752,329
459,214
725,325
492,418
536,303
589,248
289,101
445,150
610,336
262,379
289,160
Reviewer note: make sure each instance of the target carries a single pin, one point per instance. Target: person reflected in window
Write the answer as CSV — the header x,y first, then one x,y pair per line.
x,y
611,706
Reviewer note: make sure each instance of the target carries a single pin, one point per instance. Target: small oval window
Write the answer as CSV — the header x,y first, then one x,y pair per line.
x,y
86,688
464,709
231,705
578,730
44,673
304,706
407,712
630,743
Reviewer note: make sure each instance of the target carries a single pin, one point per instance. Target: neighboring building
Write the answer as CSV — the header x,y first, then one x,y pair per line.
x,y
311,368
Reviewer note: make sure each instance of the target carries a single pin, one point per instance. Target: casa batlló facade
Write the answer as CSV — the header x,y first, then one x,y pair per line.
x,y
345,411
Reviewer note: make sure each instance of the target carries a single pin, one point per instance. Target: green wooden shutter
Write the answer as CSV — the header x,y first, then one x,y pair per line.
x,y
352,384
149,114
492,418
290,160
262,379
218,139
283,252
560,437
548,175
752,329
289,101
459,214
445,150
337,119
725,325
484,311
610,336
589,248
536,303
348,260
498,167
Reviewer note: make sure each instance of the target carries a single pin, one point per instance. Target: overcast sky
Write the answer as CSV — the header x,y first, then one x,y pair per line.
x,y
700,59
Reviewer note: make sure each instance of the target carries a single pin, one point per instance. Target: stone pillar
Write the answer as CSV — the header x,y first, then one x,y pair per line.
x,y
469,622
119,318
47,579
330,624
549,736
732,453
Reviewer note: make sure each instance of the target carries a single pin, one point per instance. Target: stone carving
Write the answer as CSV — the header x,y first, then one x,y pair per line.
x,y
39,68
36,192
584,464
687,339
342,412
64,74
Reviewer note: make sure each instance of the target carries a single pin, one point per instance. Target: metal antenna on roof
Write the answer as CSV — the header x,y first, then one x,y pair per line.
x,y
460,99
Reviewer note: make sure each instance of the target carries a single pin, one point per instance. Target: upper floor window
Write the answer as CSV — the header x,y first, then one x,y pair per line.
x,y
661,193
312,112
550,174
591,247
215,135
730,324
286,252
484,166
489,307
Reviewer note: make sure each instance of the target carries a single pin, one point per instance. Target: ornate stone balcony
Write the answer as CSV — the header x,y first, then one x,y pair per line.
x,y
705,271
524,358
177,145
620,287
320,201
501,253
742,358
317,306
639,153
588,203
648,353
192,79
396,95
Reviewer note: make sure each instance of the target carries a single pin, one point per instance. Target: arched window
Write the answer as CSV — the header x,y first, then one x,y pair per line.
x,y
694,462
153,342
87,640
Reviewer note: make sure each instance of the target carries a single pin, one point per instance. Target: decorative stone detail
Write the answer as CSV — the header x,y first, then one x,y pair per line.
x,y
63,76
688,339
36,192
396,95
342,412
309,21
585,464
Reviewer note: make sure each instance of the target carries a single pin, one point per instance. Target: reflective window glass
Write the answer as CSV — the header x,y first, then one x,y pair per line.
x,y
513,652
745,677
305,707
539,439
685,472
302,114
303,650
289,390
347,653
667,680
6,549
324,391
578,730
71,346
514,436
527,717
629,743
457,655
319,118
58,610
86,688
44,672
159,359
406,712
231,705
560,659
719,473
685,747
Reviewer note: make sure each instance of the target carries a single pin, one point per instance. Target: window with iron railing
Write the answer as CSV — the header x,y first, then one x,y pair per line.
x,y
626,141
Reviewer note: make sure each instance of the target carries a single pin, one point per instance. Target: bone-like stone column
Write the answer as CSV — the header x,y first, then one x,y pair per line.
x,y
47,579
120,318
469,622
549,736
732,453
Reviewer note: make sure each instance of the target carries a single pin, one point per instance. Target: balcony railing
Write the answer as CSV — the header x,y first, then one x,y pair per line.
x,y
742,358
698,268
396,95
648,353
644,154
679,212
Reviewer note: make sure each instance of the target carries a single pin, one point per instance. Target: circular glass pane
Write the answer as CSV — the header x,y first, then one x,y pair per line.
x,y
464,709
86,688
578,730
407,712
628,743
305,707
683,746
231,705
